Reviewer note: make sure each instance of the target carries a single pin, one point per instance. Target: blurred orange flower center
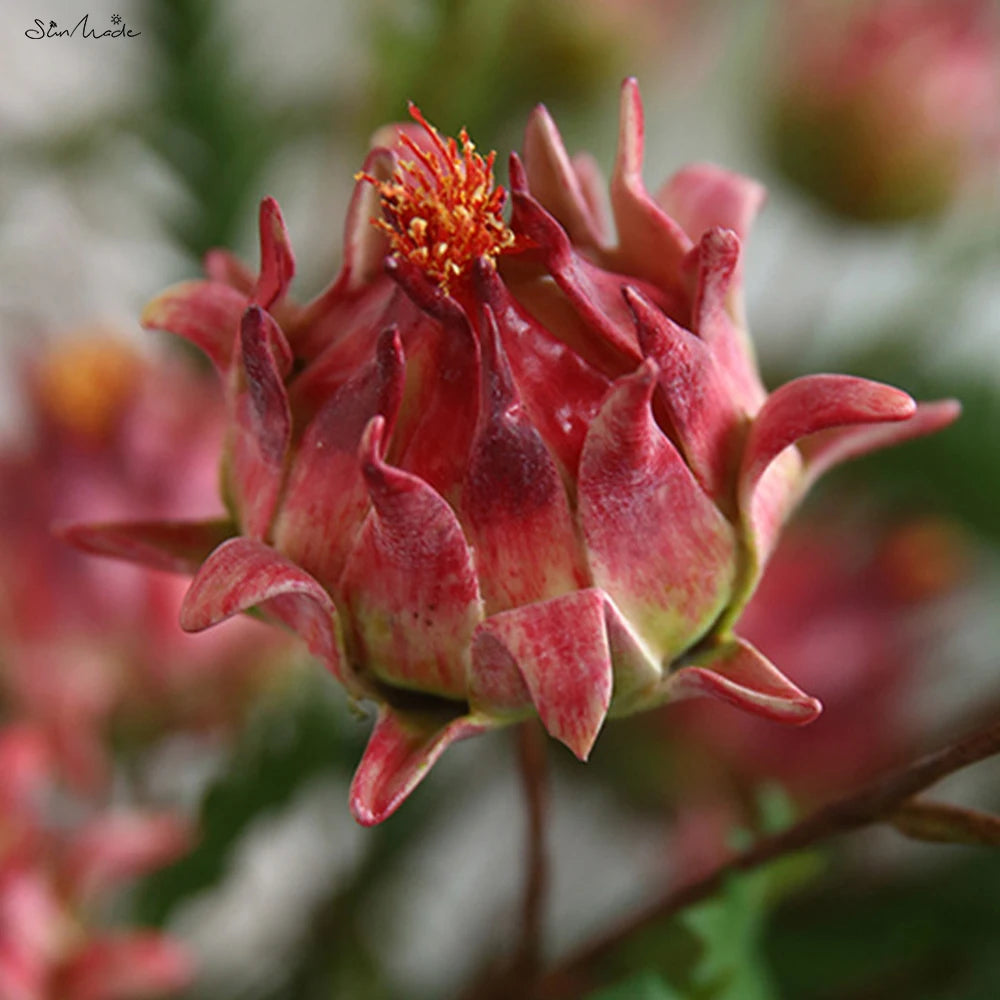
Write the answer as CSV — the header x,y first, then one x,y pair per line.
x,y
442,208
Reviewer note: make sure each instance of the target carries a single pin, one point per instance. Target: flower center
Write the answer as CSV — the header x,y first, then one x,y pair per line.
x,y
441,209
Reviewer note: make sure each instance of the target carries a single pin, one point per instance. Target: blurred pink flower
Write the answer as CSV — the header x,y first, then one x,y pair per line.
x,y
50,879
883,109
505,468
84,642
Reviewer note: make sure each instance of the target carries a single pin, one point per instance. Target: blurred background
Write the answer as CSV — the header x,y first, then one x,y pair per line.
x,y
874,124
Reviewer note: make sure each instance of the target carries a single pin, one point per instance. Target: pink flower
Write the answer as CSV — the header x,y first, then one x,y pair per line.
x,y
51,876
885,110
499,469
83,643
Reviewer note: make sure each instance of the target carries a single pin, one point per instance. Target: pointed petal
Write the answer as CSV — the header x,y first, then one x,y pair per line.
x,y
174,546
277,263
702,196
702,412
365,246
718,317
242,574
206,313
657,544
651,244
560,391
410,581
738,673
554,181
126,966
513,503
827,450
263,422
325,499
560,648
795,410
401,751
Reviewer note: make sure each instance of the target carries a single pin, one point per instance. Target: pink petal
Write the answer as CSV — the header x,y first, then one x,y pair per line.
x,y
365,246
795,410
134,966
263,422
277,263
554,181
658,546
702,412
739,674
242,574
410,581
174,546
560,648
26,766
401,751
702,196
827,450
560,391
206,313
651,244
513,503
226,268
118,847
718,317
325,499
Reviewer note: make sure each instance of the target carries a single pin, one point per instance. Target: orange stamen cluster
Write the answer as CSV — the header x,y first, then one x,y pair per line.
x,y
442,209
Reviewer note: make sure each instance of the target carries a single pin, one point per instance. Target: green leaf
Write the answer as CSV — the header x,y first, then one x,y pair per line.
x,y
645,986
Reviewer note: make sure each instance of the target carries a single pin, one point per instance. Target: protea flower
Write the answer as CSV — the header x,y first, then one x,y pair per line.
x,y
500,469
885,109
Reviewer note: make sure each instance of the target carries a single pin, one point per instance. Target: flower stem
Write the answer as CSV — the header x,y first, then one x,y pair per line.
x,y
877,802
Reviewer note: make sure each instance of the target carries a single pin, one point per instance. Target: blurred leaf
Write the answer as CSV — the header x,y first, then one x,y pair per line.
x,y
645,986
941,823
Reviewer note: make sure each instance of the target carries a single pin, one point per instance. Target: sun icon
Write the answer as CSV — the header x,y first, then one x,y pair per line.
x,y
116,19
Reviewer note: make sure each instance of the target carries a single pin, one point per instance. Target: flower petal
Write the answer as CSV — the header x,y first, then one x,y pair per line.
x,y
173,546
263,422
560,648
225,267
410,581
400,752
554,181
134,966
325,499
277,263
657,544
513,501
242,574
702,412
738,673
365,246
206,313
651,244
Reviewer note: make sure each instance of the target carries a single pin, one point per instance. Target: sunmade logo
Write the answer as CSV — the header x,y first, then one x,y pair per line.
x,y
82,29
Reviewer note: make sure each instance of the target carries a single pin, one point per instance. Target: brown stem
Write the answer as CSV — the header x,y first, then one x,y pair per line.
x,y
874,803
532,763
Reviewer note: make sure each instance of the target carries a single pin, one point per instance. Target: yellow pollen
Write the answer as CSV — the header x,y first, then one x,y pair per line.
x,y
442,209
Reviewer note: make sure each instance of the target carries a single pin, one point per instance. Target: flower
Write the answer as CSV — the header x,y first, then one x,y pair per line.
x,y
885,110
51,878
506,468
86,646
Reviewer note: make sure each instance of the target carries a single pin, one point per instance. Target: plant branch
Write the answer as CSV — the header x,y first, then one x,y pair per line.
x,y
877,802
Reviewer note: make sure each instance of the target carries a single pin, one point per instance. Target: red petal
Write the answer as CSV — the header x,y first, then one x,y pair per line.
x,y
651,244
174,546
702,412
702,196
410,581
263,422
365,246
738,673
827,450
277,263
513,502
401,751
560,649
326,499
206,313
136,966
795,410
554,181
658,546
224,267
242,574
